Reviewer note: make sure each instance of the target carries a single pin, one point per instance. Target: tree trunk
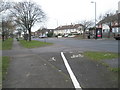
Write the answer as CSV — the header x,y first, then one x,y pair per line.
x,y
3,38
84,34
29,30
109,30
25,35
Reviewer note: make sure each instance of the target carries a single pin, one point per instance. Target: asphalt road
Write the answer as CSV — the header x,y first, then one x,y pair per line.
x,y
45,67
85,45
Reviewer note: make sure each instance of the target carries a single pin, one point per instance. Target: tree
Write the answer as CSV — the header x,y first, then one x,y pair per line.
x,y
86,24
4,25
4,6
50,34
27,14
7,27
105,15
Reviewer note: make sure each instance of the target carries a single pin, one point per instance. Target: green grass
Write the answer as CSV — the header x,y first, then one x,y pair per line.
x,y
0,72
100,55
0,44
114,69
33,44
7,44
5,64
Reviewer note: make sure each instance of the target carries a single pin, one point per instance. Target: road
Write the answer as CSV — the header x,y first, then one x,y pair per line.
x,y
45,67
85,45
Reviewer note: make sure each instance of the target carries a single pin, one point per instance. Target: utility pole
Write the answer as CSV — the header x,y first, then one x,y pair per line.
x,y
95,18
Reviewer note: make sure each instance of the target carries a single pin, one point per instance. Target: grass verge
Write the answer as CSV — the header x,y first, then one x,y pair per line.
x,y
100,55
0,44
7,44
114,69
33,44
5,64
0,72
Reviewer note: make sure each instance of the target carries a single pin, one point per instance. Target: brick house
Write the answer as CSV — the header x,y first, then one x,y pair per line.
x,y
110,25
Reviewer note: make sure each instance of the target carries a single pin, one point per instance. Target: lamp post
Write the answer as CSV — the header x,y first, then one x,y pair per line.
x,y
95,18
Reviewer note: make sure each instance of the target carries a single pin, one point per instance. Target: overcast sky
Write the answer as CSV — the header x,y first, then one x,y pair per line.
x,y
65,12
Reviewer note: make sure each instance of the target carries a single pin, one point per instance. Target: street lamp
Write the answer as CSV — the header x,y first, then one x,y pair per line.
x,y
95,16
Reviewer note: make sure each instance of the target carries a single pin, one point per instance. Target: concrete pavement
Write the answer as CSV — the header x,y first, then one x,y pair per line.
x,y
28,70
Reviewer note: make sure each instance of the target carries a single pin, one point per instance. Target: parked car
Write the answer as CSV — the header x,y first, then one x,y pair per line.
x,y
42,36
71,35
117,37
59,36
66,35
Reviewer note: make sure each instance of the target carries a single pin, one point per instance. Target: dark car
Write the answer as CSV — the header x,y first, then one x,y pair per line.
x,y
117,37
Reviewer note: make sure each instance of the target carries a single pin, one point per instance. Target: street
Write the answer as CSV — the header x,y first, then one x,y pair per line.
x,y
85,45
45,67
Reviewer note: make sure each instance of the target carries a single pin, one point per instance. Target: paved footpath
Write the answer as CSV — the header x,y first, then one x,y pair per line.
x,y
28,70
44,68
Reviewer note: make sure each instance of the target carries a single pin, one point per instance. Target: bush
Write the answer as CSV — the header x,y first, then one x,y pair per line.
x,y
50,34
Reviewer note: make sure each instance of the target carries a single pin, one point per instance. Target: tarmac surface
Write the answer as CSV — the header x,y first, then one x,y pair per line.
x,y
44,68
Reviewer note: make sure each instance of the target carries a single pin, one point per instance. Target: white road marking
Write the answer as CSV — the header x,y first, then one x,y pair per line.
x,y
76,56
74,79
52,59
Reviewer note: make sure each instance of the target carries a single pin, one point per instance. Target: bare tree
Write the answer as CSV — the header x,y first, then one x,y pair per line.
x,y
4,6
105,15
27,14
6,22
86,24
7,27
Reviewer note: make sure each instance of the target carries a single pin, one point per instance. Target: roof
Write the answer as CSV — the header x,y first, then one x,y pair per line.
x,y
68,27
108,19
114,18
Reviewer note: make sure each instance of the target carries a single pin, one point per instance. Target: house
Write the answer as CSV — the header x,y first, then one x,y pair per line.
x,y
110,25
69,29
33,33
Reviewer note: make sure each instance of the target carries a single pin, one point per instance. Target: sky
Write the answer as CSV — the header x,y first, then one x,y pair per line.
x,y
65,12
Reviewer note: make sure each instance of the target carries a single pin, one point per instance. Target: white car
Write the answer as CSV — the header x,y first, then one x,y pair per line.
x,y
59,36
42,36
66,35
71,35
